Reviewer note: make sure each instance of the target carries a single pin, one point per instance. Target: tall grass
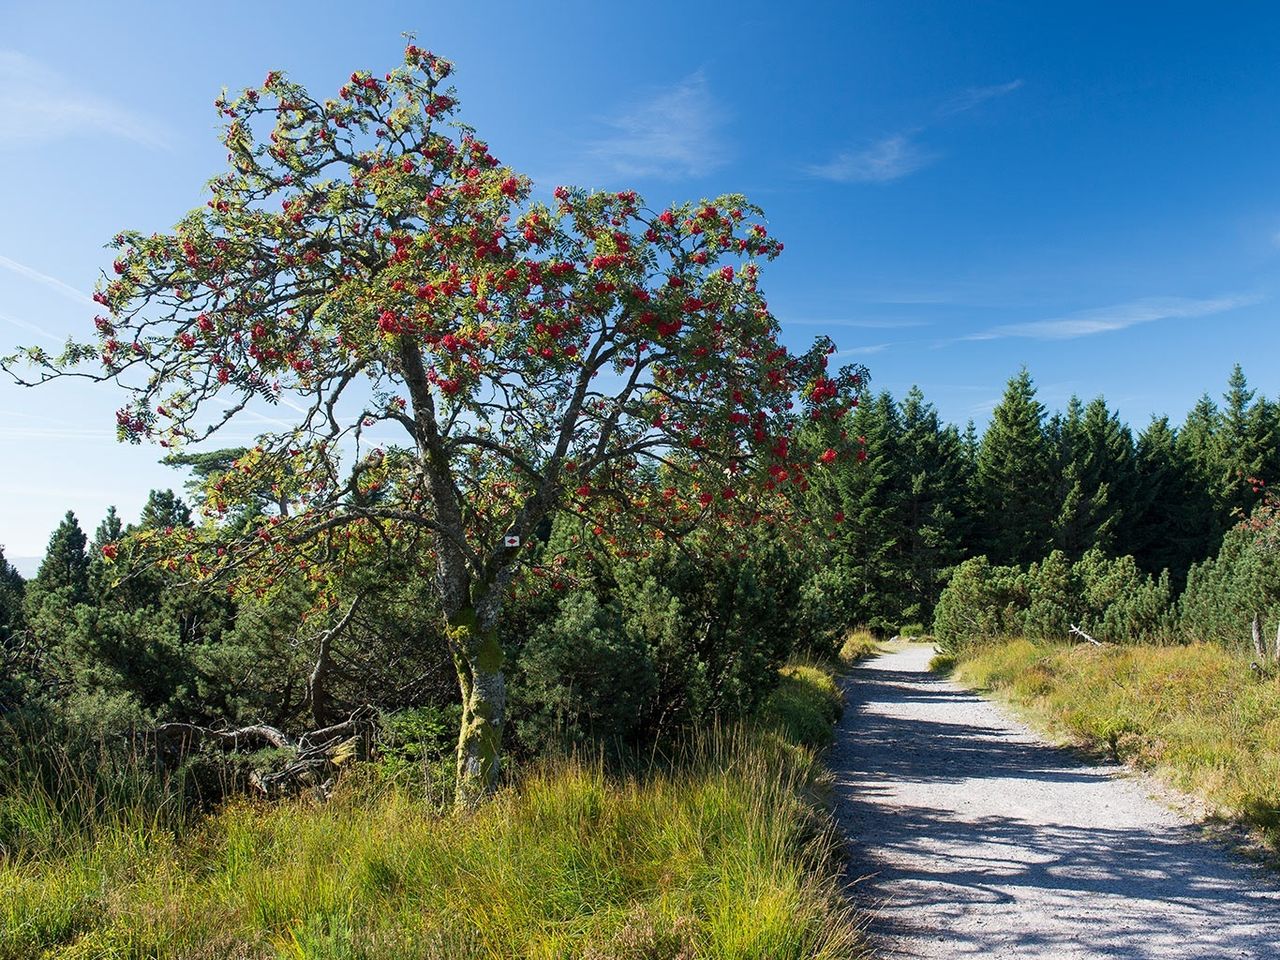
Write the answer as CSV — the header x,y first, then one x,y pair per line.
x,y
723,855
858,645
1196,714
58,792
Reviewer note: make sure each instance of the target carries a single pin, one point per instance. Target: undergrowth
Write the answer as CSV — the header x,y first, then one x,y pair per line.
x,y
724,854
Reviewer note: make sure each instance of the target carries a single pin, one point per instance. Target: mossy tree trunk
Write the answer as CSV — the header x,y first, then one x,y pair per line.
x,y
478,657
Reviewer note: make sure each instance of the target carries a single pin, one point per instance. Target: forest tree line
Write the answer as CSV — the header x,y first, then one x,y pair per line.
x,y
1039,522
1047,522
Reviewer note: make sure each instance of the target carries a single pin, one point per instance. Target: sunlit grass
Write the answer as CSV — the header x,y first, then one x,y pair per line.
x,y
721,855
858,645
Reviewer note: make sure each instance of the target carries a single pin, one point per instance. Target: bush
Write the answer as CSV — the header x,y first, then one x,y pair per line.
x,y
826,609
1121,603
1053,598
1224,592
419,745
641,650
1108,597
980,603
582,677
803,706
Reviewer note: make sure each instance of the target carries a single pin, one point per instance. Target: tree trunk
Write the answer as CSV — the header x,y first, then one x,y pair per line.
x,y
479,659
1276,649
1259,645
318,684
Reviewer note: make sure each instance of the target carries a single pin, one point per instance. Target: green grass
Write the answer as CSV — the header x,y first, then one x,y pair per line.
x,y
1196,715
858,645
803,707
723,855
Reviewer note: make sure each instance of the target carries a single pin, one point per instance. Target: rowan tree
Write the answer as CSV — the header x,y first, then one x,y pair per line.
x,y
462,359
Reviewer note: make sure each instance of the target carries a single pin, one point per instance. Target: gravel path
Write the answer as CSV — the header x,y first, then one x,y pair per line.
x,y
974,838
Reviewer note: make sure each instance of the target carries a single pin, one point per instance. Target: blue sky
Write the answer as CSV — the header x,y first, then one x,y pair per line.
x,y
1090,189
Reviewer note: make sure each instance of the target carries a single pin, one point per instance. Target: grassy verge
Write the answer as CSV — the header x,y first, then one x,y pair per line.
x,y
858,645
725,855
1196,715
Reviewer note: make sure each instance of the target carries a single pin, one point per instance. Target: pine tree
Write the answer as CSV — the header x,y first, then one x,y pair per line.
x,y
1015,465
206,467
12,622
1226,447
1264,434
1248,441
59,588
12,588
1079,502
1082,520
1197,440
1109,469
164,508
971,533
934,504
868,495
65,567
1199,449
109,531
970,443
1237,454
1167,529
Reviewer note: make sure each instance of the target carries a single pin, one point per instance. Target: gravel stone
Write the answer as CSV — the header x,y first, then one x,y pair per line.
x,y
970,836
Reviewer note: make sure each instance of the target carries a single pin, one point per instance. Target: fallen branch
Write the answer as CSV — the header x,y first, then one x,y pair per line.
x,y
189,733
1259,645
316,758
1080,633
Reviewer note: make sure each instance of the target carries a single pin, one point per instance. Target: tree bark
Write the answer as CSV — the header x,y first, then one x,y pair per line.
x,y
483,682
1259,645
318,679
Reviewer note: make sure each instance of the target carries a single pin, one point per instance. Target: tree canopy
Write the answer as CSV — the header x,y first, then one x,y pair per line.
x,y
459,359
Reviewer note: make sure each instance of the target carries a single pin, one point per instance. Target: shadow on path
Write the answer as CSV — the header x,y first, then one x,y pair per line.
x,y
975,839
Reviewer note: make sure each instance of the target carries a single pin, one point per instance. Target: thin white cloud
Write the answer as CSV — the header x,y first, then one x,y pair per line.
x,y
968,99
898,155
675,133
22,270
28,326
890,158
38,105
865,351
887,323
1087,323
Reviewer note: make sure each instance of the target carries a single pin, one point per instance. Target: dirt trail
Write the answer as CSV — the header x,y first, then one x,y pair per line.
x,y
977,839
